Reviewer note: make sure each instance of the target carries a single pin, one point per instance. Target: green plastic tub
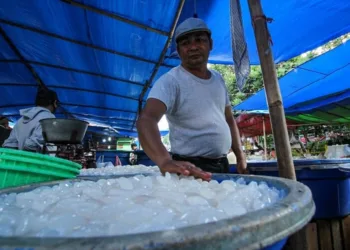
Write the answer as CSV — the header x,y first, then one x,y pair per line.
x,y
20,168
39,157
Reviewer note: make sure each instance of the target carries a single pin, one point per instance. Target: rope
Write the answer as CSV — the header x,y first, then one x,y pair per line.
x,y
195,9
267,20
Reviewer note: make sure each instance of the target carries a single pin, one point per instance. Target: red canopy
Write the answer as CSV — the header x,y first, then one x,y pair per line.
x,y
252,124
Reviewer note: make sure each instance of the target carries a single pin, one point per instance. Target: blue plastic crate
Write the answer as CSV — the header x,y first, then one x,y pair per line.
x,y
327,179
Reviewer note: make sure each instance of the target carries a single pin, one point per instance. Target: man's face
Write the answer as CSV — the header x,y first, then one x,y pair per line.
x,y
4,122
54,106
194,49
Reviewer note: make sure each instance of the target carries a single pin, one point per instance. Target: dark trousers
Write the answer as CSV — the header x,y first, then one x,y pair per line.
x,y
219,165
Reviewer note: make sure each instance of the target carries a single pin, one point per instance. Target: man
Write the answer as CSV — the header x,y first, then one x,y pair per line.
x,y
197,107
4,122
27,133
5,129
133,155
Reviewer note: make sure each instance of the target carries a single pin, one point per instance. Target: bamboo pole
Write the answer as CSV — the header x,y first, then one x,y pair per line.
x,y
264,131
277,116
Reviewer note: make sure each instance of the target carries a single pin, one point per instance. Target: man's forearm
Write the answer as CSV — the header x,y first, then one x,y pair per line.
x,y
151,143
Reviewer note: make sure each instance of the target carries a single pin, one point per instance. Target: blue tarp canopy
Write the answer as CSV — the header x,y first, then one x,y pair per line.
x,y
297,26
316,91
100,55
103,131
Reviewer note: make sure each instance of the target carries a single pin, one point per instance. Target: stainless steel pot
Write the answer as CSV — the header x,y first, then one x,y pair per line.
x,y
63,131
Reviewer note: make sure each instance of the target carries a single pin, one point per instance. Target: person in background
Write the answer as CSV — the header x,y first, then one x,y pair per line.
x,y
133,155
196,104
5,129
273,153
27,132
256,144
4,122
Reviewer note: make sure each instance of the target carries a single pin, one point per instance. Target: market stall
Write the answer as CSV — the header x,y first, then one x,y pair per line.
x,y
104,78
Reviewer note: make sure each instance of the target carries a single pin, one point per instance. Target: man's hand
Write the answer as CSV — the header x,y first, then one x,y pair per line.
x,y
184,168
242,165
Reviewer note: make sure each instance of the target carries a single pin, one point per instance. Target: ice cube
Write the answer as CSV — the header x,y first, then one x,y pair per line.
x,y
207,193
228,185
94,193
257,204
241,181
232,209
128,205
197,200
147,182
213,183
66,223
8,217
125,183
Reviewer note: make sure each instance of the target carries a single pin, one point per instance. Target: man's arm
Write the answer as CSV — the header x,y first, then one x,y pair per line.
x,y
11,141
35,141
149,136
236,141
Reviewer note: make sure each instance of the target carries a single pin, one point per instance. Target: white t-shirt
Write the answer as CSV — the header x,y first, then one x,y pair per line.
x,y
195,112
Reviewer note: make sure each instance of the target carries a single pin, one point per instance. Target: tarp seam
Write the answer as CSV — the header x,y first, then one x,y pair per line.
x,y
81,43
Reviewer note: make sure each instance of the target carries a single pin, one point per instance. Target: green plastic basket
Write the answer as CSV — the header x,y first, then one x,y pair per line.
x,y
10,160
38,156
21,168
14,178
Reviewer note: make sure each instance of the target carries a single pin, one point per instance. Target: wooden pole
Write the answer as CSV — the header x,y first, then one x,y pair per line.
x,y
278,122
277,116
264,131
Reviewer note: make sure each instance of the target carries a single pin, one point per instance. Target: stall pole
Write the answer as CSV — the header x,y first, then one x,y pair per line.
x,y
277,116
265,145
273,95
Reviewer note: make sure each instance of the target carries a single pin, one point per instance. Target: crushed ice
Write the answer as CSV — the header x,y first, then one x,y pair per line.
x,y
120,170
128,205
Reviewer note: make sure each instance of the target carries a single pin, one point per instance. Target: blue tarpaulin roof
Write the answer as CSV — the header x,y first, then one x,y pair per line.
x,y
320,85
297,26
99,54
110,132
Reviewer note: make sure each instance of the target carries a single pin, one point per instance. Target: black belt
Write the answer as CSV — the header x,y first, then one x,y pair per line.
x,y
217,165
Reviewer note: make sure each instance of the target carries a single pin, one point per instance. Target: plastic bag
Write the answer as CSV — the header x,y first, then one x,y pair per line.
x,y
100,159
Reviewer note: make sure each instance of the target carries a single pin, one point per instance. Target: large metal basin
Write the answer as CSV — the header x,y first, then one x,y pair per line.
x,y
254,230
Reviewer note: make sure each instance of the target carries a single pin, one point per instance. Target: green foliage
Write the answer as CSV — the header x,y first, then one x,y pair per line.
x,y
317,147
166,139
255,80
269,141
320,130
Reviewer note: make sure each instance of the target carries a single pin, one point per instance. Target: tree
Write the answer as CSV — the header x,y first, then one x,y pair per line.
x,y
255,81
165,139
